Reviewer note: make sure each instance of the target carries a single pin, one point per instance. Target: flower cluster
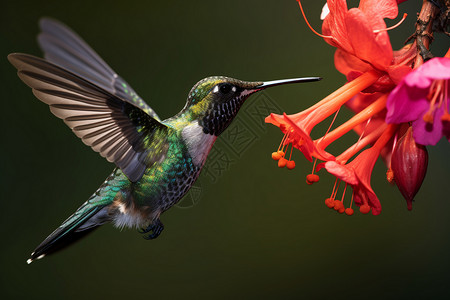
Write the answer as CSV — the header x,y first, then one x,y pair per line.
x,y
389,91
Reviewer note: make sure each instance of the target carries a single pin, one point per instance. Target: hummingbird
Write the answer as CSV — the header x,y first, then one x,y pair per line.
x,y
157,161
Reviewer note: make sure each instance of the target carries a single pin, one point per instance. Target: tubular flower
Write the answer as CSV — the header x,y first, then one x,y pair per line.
x,y
299,126
368,122
385,93
364,54
358,172
423,98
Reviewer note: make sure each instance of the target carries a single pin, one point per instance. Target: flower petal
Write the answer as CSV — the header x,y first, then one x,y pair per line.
x,y
325,11
334,25
435,68
275,119
357,173
342,172
345,63
304,143
428,134
374,48
379,10
398,72
406,104
362,195
446,129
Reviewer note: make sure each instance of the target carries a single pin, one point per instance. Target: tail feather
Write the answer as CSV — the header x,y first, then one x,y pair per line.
x,y
87,218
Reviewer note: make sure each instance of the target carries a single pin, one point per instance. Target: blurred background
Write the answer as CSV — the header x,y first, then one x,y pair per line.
x,y
252,231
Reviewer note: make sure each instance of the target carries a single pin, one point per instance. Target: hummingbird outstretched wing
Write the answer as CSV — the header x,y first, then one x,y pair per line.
x,y
117,129
65,48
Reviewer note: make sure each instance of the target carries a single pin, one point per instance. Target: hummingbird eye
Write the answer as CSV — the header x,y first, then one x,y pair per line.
x,y
225,88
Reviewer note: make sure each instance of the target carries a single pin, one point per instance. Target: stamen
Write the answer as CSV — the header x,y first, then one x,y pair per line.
x,y
349,211
290,156
283,151
314,165
332,122
276,155
392,27
446,116
282,162
335,192
310,27
330,201
358,146
364,209
339,206
290,164
343,194
282,141
279,154
364,131
390,175
435,93
428,117
311,178
395,143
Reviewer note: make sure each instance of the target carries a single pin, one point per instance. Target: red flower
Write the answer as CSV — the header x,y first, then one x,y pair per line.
x,y
361,31
298,127
360,34
358,172
366,57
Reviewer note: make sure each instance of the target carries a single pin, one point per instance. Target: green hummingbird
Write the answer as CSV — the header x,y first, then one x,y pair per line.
x,y
157,161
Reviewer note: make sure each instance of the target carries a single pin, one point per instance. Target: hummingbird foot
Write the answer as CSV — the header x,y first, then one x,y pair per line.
x,y
155,228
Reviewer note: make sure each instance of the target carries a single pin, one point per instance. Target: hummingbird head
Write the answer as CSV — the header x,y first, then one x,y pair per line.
x,y
215,101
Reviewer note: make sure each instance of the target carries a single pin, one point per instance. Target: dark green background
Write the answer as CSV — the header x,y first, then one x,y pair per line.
x,y
259,232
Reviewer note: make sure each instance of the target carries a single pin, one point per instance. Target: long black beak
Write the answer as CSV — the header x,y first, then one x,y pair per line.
x,y
286,81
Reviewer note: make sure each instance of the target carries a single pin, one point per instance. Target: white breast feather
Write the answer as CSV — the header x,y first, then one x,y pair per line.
x,y
198,143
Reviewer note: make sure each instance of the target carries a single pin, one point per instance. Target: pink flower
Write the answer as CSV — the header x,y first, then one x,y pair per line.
x,y
423,98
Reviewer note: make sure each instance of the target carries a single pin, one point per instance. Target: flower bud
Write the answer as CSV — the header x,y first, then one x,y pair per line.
x,y
409,163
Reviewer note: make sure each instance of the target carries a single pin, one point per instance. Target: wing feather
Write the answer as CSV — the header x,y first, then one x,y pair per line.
x,y
115,128
65,48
